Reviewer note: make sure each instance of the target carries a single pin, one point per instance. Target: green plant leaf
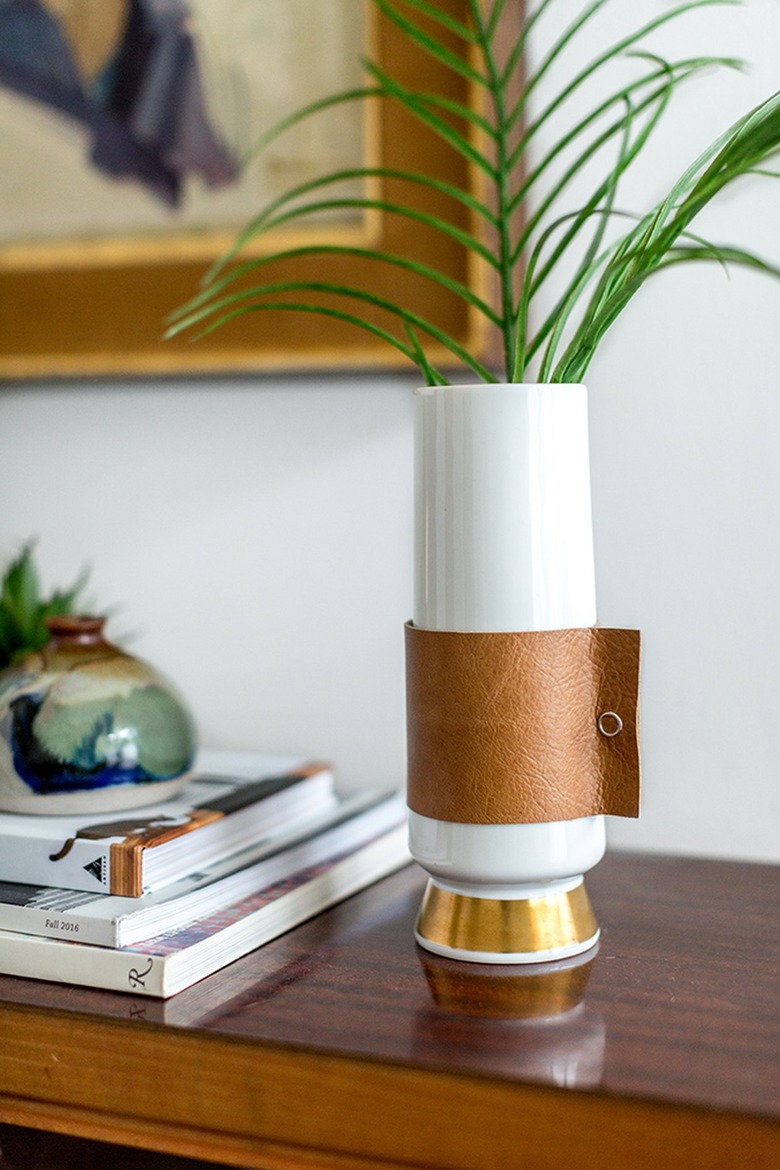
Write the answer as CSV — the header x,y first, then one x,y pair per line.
x,y
432,45
647,247
200,306
423,107
431,375
228,307
23,611
519,223
291,200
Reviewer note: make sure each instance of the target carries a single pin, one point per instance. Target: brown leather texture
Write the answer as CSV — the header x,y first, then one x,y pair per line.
x,y
521,728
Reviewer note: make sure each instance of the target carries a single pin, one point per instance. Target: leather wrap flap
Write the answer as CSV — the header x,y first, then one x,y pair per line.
x,y
521,728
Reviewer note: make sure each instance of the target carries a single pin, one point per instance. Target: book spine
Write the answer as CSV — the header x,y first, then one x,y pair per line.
x,y
127,856
58,961
72,864
64,924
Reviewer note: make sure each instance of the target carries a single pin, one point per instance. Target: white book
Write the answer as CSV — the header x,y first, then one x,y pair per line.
x,y
115,921
167,964
233,799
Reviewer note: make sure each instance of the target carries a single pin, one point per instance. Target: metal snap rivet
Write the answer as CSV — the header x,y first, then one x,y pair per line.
x,y
610,724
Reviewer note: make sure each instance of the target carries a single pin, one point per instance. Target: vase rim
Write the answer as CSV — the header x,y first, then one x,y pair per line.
x,y
487,387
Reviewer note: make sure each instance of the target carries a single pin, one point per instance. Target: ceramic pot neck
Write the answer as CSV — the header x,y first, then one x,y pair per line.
x,y
75,630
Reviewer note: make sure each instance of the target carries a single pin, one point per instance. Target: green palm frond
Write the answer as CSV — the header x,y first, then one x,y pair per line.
x,y
523,222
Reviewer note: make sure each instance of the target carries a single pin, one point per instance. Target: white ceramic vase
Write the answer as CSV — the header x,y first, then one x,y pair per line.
x,y
504,543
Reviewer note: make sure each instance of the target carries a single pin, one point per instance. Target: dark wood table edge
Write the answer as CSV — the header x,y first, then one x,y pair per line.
x,y
270,1106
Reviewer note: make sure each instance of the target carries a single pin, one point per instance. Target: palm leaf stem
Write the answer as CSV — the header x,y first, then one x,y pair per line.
x,y
751,139
659,98
517,51
435,13
203,299
502,189
627,156
423,109
698,175
496,144
494,16
530,284
227,308
677,73
576,286
585,273
722,254
430,373
357,204
535,77
427,41
346,96
608,56
259,225
560,322
641,251
754,137
434,101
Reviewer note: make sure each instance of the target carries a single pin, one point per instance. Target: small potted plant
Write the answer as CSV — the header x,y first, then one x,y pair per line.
x,y
84,726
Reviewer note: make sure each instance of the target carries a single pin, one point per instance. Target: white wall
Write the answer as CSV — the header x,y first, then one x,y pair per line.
x,y
257,536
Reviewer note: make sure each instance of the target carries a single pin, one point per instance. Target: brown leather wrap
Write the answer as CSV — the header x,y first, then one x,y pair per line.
x,y
503,728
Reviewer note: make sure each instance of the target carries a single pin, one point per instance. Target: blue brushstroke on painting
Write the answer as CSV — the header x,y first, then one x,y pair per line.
x,y
145,109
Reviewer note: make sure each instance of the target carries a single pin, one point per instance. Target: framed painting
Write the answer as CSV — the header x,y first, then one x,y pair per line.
x,y
127,130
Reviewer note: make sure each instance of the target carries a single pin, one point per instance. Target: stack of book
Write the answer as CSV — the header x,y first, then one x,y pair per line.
x,y
172,892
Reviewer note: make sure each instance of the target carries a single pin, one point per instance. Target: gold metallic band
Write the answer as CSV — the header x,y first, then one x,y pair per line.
x,y
504,929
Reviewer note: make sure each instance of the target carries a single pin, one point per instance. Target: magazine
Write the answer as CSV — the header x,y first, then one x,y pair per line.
x,y
233,799
168,963
112,920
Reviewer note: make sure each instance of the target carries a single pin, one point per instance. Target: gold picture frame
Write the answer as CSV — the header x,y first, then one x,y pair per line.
x,y
64,317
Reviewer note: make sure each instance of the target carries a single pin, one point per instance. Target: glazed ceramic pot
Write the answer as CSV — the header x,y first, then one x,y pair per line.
x,y
86,727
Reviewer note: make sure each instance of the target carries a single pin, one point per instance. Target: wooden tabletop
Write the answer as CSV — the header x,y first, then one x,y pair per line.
x,y
343,1045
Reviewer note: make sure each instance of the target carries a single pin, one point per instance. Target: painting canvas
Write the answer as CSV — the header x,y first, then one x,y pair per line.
x,y
136,119
127,130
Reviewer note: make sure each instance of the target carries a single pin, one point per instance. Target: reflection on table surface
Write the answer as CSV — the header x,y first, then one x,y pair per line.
x,y
682,987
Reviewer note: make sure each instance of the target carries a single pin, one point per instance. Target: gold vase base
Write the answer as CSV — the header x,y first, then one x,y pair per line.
x,y
540,929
